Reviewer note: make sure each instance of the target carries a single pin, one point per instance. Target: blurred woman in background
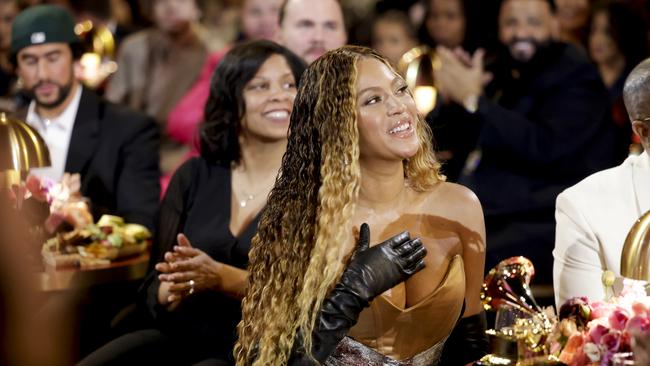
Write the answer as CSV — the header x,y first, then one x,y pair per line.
x,y
618,41
393,35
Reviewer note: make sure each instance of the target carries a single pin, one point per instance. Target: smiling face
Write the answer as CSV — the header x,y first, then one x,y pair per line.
x,y
525,26
386,113
268,99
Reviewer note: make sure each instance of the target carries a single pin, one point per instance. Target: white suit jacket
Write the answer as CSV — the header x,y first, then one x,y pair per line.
x,y
593,219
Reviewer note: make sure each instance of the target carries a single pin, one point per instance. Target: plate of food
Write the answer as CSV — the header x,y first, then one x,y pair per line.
x,y
99,243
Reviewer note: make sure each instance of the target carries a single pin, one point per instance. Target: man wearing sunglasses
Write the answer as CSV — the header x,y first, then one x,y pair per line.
x,y
594,216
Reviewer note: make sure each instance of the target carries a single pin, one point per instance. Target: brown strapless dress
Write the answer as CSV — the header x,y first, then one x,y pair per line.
x,y
386,334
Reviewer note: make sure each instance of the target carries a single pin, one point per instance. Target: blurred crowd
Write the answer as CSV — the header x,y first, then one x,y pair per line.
x,y
529,93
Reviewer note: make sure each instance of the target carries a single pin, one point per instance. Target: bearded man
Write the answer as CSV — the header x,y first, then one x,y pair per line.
x,y
114,149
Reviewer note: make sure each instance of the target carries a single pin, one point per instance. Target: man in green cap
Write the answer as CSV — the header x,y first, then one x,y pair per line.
x,y
114,149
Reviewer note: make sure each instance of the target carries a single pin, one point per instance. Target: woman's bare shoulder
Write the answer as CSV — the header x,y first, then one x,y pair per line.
x,y
452,196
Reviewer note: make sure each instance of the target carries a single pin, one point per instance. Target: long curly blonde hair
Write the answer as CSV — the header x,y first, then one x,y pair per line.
x,y
295,259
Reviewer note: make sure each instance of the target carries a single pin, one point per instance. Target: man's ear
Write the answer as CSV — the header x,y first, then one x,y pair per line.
x,y
641,129
77,69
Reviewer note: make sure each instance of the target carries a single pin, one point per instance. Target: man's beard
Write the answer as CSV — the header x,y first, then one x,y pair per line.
x,y
64,91
519,56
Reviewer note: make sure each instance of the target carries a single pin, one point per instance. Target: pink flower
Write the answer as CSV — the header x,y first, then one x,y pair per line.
x,y
639,308
638,323
618,318
600,309
596,332
611,341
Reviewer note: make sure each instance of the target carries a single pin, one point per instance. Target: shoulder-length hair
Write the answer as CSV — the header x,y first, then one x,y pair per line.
x,y
627,29
295,258
219,134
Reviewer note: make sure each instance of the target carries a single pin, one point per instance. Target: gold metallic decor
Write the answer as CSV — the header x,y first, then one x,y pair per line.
x,y
98,62
635,258
21,149
417,66
521,326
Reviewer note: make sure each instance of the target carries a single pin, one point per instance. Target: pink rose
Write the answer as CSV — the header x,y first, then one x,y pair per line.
x,y
618,319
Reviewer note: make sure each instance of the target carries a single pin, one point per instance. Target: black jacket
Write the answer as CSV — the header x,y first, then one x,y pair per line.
x,y
541,129
115,150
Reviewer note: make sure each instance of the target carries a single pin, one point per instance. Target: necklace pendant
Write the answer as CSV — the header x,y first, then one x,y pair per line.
x,y
242,203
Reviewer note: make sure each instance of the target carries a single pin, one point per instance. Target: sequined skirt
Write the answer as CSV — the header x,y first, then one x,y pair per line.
x,y
352,353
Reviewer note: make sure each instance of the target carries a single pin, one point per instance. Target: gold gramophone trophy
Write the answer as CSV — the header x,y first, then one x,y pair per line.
x,y
21,149
98,62
417,66
521,326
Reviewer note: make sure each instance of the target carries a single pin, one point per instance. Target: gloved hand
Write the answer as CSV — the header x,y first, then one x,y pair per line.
x,y
370,272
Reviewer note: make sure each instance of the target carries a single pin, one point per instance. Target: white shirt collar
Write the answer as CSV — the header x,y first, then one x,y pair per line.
x,y
57,133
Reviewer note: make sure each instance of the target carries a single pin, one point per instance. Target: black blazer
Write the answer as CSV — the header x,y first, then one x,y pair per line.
x,y
542,134
115,150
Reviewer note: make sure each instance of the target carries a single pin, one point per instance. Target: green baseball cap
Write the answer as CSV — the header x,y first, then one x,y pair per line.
x,y
42,24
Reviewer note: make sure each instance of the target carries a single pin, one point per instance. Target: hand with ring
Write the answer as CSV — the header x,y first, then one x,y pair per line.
x,y
188,270
191,283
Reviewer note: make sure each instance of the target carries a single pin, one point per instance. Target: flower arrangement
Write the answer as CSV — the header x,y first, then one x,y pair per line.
x,y
601,332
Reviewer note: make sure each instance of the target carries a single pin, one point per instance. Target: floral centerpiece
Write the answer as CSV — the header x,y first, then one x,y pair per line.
x,y
583,333
601,332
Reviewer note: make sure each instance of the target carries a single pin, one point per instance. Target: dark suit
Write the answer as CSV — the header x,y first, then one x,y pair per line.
x,y
115,150
541,128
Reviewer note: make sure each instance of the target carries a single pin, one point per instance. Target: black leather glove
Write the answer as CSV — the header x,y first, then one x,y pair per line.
x,y
369,273
467,342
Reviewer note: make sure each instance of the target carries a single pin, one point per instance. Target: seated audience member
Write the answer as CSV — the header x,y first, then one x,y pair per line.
x,y
393,35
543,124
158,65
307,27
573,21
617,42
451,24
114,149
594,216
214,201
358,155
259,20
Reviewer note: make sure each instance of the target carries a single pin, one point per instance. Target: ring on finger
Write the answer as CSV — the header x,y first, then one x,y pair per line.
x,y
191,283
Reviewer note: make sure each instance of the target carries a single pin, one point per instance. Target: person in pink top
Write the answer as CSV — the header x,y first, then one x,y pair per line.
x,y
259,21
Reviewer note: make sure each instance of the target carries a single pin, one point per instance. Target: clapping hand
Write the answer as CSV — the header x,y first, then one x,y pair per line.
x,y
460,76
187,270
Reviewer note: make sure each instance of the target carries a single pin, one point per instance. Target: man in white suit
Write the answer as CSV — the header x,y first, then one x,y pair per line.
x,y
594,216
